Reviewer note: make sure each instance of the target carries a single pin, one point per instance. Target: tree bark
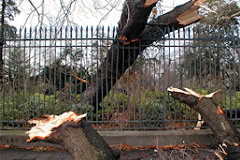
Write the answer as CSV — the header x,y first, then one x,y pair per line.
x,y
135,34
82,142
77,136
2,40
226,134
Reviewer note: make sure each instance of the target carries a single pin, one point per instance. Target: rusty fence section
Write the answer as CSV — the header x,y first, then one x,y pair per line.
x,y
46,70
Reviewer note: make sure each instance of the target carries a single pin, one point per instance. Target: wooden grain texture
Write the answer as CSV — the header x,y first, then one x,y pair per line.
x,y
225,133
81,141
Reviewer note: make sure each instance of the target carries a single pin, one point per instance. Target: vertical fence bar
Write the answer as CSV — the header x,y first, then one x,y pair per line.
x,y
230,61
70,65
116,92
89,62
17,53
14,79
199,41
39,70
65,52
140,84
6,86
82,63
237,49
175,83
222,32
101,36
48,35
60,70
34,72
3,94
75,67
46,79
86,53
111,70
25,76
29,74
108,107
164,84
221,67
214,60
126,50
167,70
143,68
180,70
9,99
234,86
192,41
55,37
97,76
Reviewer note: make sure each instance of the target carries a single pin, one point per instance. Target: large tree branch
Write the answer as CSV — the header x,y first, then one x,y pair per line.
x,y
225,133
133,26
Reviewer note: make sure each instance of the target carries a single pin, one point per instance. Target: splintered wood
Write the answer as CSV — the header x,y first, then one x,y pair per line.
x,y
45,124
225,133
192,15
193,93
149,3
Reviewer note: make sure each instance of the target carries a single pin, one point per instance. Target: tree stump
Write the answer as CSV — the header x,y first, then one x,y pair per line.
x,y
226,134
75,134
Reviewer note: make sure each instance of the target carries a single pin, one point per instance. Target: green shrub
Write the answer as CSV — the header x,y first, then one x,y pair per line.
x,y
152,105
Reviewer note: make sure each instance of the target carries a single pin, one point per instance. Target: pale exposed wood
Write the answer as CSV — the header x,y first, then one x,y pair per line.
x,y
149,3
45,124
199,122
74,134
226,134
190,16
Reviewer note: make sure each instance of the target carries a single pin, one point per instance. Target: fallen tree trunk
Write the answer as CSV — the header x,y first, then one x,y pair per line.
x,y
226,134
135,35
75,134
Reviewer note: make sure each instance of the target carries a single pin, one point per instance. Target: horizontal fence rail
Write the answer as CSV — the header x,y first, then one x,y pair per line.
x,y
47,70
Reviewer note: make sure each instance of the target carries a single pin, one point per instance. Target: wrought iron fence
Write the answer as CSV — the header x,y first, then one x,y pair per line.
x,y
47,69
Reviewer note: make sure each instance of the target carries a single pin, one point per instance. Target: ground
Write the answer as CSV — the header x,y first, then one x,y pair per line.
x,y
168,155
126,153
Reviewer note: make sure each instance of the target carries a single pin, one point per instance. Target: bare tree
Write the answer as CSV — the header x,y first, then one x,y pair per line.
x,y
66,13
8,12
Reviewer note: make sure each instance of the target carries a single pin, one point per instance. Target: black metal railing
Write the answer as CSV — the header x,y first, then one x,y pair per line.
x,y
46,70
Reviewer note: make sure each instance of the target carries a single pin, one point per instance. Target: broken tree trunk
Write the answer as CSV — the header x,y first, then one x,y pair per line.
x,y
131,41
226,134
75,134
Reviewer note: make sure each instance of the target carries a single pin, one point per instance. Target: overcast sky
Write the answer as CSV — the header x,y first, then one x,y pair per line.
x,y
81,14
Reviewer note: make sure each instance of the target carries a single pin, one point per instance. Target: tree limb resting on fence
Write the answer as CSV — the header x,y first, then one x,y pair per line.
x,y
133,27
